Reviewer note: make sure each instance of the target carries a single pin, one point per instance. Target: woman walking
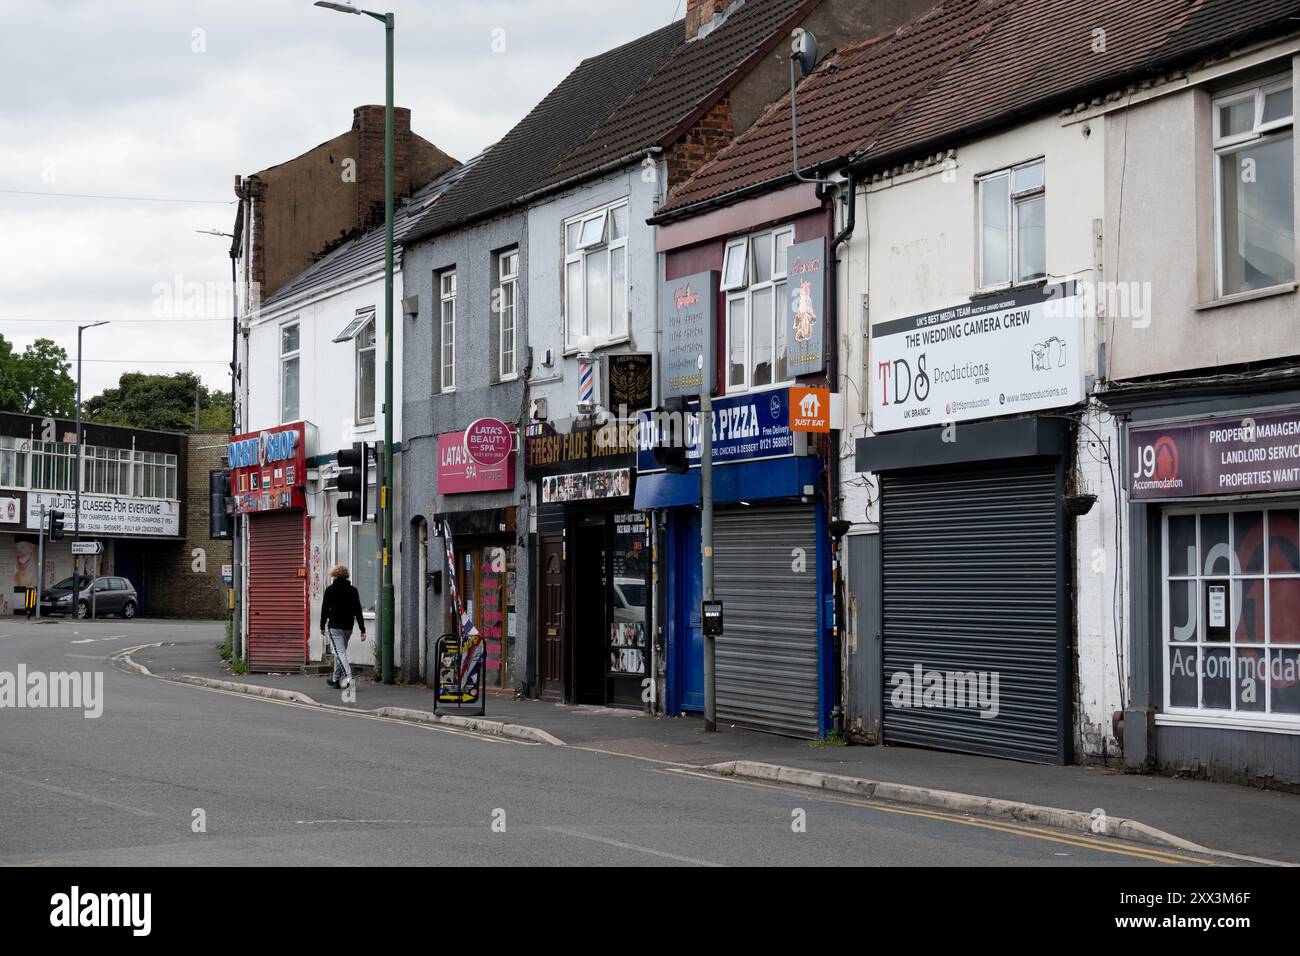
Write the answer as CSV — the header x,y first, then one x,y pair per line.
x,y
339,610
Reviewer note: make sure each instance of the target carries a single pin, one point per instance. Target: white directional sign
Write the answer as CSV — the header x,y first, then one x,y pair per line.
x,y
87,547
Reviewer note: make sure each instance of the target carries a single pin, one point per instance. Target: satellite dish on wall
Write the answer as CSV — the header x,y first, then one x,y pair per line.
x,y
803,47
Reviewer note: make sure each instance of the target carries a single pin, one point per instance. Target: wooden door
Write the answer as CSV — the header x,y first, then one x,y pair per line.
x,y
550,641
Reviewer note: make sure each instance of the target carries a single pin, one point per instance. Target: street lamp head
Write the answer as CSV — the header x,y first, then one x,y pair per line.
x,y
340,7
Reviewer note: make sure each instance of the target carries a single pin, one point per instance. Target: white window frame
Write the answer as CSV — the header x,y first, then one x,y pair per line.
x,y
447,330
1259,132
359,349
508,301
744,292
1261,720
294,355
1015,199
587,244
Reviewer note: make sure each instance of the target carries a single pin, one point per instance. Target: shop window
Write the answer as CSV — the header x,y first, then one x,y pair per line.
x,y
1254,177
365,562
1013,225
595,275
754,277
1232,611
290,367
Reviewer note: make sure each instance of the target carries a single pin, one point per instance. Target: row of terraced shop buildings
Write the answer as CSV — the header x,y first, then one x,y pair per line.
x,y
1005,379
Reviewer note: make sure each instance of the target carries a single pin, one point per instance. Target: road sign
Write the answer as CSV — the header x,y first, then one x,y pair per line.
x,y
87,547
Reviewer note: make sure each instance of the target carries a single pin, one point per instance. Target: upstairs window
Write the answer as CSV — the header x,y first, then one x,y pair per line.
x,y
595,275
365,375
447,306
754,278
1013,225
289,372
1254,178
507,300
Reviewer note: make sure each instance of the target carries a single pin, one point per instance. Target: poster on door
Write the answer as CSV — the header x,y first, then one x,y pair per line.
x,y
1005,355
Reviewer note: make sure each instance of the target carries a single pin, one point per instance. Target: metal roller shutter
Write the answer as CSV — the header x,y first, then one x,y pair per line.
x,y
277,592
971,570
767,661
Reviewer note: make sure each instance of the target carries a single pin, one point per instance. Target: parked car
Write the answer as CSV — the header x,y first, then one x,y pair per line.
x,y
109,595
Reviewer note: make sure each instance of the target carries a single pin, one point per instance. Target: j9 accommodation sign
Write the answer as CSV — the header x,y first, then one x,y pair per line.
x,y
1001,356
1224,456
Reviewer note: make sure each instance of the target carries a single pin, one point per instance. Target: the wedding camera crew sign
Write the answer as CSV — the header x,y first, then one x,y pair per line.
x,y
104,514
1004,355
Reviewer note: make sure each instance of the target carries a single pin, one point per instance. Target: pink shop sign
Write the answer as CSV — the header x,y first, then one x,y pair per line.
x,y
459,474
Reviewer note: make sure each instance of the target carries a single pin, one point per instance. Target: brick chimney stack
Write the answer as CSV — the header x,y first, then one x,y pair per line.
x,y
368,124
700,12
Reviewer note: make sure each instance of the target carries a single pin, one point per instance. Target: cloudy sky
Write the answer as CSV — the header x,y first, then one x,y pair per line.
x,y
124,122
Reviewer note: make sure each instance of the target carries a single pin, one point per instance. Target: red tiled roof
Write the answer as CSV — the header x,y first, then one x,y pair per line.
x,y
973,63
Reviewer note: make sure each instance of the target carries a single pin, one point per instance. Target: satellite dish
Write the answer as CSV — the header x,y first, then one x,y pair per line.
x,y
803,47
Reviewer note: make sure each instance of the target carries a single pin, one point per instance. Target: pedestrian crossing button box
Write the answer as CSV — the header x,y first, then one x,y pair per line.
x,y
711,617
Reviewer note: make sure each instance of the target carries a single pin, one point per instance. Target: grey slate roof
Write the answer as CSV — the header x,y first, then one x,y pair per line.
x,y
367,250
525,157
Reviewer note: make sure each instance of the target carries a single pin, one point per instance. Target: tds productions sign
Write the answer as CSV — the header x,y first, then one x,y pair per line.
x,y
268,469
1222,456
1001,356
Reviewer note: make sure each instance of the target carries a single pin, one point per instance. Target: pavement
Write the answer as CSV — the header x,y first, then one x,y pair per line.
x,y
1186,813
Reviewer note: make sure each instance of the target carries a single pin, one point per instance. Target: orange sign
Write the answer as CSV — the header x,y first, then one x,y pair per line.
x,y
810,409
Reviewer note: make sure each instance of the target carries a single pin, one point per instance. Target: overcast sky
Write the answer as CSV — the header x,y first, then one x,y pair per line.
x,y
169,99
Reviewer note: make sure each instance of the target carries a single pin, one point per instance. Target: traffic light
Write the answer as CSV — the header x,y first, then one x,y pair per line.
x,y
671,436
56,525
354,482
219,522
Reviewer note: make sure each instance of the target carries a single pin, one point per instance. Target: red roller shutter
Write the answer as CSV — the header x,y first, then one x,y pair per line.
x,y
277,592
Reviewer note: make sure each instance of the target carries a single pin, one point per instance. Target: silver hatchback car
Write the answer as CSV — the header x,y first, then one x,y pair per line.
x,y
108,595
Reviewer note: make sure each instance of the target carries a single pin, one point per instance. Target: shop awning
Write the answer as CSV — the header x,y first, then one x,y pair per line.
x,y
750,481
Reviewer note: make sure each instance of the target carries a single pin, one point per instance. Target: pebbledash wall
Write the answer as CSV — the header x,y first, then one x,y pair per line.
x,y
920,253
428,412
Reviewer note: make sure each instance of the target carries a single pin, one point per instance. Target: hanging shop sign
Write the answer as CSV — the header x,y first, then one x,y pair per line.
x,y
458,473
268,469
750,427
806,309
1005,355
587,486
489,442
1220,456
108,515
810,409
10,511
689,319
631,380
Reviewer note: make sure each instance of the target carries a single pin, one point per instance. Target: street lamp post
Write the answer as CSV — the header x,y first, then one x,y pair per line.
x,y
385,491
76,513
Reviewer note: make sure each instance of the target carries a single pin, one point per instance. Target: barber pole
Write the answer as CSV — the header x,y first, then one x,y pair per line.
x,y
586,384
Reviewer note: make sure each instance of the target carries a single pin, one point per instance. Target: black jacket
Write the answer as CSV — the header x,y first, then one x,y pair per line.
x,y
341,607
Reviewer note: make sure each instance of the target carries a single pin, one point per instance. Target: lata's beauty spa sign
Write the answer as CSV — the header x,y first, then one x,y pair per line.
x,y
460,474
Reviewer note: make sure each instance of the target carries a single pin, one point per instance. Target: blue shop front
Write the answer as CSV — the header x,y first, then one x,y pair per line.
x,y
772,566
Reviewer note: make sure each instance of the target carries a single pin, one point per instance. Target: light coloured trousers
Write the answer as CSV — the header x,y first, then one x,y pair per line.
x,y
339,639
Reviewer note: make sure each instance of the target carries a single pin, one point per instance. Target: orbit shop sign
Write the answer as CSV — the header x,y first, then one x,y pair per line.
x,y
268,469
1004,355
1221,456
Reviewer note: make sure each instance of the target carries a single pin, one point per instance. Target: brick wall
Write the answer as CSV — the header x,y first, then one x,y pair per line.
x,y
701,143
174,588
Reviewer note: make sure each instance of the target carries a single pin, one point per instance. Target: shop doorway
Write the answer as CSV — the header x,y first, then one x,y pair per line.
x,y
687,593
590,628
550,618
487,581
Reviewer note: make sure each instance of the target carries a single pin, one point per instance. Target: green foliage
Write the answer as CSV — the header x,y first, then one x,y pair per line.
x,y
161,402
36,381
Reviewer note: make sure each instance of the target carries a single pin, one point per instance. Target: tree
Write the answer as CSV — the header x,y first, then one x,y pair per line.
x,y
161,402
37,382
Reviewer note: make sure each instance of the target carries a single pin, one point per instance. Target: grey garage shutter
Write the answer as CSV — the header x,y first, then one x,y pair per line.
x,y
767,660
971,572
